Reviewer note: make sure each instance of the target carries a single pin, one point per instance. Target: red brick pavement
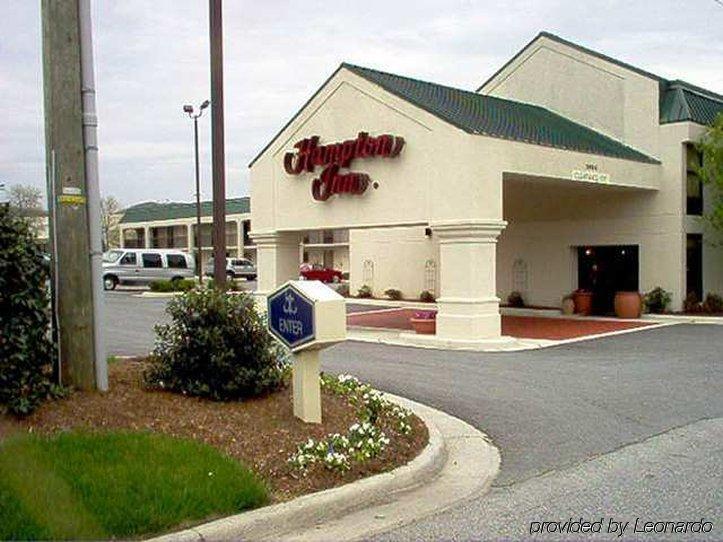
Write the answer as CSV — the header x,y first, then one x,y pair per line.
x,y
527,327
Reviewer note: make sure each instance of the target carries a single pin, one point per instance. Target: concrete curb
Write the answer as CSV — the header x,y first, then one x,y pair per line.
x,y
684,319
457,463
394,337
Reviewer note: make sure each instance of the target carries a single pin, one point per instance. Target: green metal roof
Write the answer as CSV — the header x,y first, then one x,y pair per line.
x,y
151,210
496,117
682,101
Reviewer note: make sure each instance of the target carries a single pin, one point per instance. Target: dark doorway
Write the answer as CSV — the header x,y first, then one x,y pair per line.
x,y
605,270
694,265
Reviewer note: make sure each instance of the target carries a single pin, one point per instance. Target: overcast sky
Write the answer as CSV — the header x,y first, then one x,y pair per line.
x,y
152,57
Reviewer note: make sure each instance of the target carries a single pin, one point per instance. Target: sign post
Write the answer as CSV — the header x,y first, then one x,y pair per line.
x,y
306,316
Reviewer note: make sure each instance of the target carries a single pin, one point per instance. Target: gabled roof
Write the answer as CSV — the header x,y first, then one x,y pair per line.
x,y
682,101
151,210
496,117
679,101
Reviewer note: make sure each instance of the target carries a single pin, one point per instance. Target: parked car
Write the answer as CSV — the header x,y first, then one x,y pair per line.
x,y
319,272
235,268
142,266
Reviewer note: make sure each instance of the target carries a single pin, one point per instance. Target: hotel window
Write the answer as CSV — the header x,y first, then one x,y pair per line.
x,y
694,186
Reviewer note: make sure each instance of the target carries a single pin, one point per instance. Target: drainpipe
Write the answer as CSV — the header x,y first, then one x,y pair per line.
x,y
92,187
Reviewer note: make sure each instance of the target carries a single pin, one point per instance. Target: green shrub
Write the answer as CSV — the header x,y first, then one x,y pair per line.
x,y
364,291
657,300
343,289
216,345
713,303
691,304
515,299
393,294
427,297
26,349
178,285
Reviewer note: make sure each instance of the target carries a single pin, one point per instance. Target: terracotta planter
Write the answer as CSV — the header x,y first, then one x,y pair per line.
x,y
424,326
628,304
583,302
568,306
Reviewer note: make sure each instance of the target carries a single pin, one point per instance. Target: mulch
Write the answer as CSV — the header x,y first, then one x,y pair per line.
x,y
260,432
527,327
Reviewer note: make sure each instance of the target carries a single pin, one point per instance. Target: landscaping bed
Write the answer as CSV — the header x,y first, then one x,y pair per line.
x,y
261,433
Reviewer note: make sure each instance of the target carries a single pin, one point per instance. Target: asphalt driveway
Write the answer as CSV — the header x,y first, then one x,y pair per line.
x,y
622,427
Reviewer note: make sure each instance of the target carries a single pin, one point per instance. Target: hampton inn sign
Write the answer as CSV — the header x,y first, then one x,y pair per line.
x,y
335,156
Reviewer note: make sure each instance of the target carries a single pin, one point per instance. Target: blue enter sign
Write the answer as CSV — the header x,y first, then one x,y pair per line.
x,y
291,317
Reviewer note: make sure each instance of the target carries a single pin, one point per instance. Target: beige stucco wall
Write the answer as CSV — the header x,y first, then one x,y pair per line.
x,y
403,258
438,158
597,93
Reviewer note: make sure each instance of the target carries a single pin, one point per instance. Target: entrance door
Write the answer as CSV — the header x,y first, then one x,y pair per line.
x,y
605,270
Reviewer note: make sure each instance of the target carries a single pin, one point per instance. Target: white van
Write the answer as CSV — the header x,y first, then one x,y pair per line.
x,y
144,265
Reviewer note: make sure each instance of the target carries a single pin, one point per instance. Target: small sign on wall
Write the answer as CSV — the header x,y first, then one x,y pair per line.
x,y
590,174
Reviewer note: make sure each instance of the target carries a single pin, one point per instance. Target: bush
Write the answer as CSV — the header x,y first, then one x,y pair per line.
x,y
713,303
515,299
393,294
365,291
179,285
691,304
216,345
427,297
343,289
26,349
657,300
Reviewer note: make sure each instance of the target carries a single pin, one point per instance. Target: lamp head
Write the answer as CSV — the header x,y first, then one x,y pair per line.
x,y
188,109
204,105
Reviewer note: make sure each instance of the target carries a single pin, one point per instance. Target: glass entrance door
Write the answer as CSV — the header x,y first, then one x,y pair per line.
x,y
605,270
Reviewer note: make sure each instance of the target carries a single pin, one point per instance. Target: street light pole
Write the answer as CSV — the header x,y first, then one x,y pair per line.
x,y
197,237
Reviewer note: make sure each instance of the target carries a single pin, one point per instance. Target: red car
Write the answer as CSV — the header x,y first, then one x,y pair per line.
x,y
319,272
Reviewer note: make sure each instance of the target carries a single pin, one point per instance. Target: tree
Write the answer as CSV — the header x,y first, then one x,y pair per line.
x,y
710,147
110,212
25,197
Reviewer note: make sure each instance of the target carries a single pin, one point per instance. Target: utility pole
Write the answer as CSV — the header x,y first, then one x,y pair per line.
x,y
217,145
71,200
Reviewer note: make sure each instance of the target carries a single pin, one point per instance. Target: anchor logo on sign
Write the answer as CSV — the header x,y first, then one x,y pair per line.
x,y
290,304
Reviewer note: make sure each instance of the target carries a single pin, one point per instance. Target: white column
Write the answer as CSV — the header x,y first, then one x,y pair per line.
x,y
146,237
468,303
277,259
189,237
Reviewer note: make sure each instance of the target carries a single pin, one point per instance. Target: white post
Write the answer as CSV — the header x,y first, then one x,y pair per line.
x,y
306,387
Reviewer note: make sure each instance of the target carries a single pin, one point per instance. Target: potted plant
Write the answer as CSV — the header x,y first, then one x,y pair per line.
x,y
424,322
583,302
628,304
568,304
515,299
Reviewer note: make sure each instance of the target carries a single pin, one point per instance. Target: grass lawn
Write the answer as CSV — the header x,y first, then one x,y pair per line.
x,y
83,485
